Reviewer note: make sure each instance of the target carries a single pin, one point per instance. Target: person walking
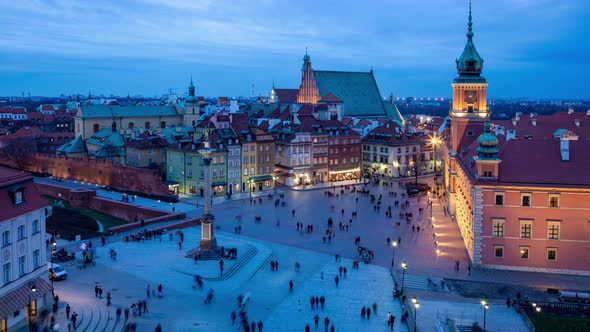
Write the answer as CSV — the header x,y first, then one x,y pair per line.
x,y
368,313
221,267
68,311
336,280
159,328
307,328
326,323
316,320
96,290
260,325
126,311
100,292
363,312
118,314
233,318
374,308
322,301
74,319
148,291
508,302
291,286
312,302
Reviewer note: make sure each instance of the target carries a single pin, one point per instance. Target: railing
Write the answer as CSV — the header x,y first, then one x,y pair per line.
x,y
553,305
524,317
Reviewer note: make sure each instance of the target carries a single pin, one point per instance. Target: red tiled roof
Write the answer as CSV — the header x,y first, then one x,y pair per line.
x,y
347,121
35,115
545,125
330,98
47,107
32,200
287,95
13,110
539,162
306,109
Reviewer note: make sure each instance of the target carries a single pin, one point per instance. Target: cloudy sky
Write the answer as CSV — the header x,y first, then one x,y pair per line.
x,y
532,48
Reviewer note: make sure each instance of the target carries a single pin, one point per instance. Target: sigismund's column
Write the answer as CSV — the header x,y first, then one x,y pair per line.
x,y
208,240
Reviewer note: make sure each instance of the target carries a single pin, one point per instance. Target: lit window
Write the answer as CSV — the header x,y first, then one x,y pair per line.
x,y
526,227
524,252
498,228
553,230
554,200
526,199
551,254
499,251
499,199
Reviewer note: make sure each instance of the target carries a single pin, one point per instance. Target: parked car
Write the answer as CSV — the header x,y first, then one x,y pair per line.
x,y
56,271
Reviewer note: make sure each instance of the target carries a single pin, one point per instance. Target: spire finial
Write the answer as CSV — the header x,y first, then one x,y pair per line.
x,y
470,23
305,50
191,79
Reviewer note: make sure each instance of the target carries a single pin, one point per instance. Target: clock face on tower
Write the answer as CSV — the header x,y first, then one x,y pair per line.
x,y
470,96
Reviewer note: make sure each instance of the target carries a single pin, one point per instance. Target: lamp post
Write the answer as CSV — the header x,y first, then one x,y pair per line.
x,y
404,267
33,290
416,306
393,246
250,187
53,252
486,306
434,140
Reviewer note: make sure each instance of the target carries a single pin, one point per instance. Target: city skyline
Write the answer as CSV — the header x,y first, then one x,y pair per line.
x,y
149,46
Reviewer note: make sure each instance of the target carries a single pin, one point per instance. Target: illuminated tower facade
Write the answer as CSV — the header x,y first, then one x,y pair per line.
x,y
308,90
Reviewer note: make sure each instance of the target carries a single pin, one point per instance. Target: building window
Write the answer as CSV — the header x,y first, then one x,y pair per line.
x,y
21,232
245,170
245,148
36,260
189,172
6,273
499,199
22,266
498,228
525,199
5,238
18,197
553,230
554,200
95,127
130,125
147,125
524,252
499,251
245,160
252,172
551,254
526,227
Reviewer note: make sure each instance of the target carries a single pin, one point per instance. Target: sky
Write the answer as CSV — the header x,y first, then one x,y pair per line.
x,y
531,48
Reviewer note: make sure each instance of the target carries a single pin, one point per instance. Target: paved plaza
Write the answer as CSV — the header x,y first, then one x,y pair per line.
x,y
276,237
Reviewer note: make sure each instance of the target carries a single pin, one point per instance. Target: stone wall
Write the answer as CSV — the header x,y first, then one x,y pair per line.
x,y
101,172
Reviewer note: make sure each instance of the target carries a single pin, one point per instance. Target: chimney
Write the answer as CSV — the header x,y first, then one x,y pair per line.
x,y
577,122
565,149
570,110
514,122
534,121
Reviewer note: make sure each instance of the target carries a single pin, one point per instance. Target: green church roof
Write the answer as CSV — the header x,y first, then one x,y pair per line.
x,y
110,111
76,145
357,90
470,63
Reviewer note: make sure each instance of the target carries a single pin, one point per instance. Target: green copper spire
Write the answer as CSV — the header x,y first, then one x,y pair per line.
x,y
470,63
190,99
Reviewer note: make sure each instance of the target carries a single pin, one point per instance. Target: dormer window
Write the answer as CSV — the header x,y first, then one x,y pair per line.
x,y
18,197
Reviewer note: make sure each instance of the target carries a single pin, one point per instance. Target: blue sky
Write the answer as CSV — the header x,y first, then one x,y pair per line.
x,y
531,48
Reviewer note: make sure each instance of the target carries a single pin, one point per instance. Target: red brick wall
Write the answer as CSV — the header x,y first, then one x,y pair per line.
x,y
124,211
102,172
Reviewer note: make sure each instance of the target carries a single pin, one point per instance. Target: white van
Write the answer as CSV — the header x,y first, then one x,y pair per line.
x,y
56,271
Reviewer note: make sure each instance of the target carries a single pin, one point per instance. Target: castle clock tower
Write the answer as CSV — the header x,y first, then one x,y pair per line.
x,y
191,115
469,110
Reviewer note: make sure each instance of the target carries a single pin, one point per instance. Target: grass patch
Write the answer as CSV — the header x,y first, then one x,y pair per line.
x,y
69,222
561,321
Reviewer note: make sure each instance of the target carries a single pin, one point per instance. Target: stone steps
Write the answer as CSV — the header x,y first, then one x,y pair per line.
x,y
242,261
213,254
264,263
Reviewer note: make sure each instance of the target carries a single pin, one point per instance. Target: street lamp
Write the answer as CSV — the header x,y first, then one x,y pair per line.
x,y
33,290
416,306
404,267
393,246
486,306
53,252
434,140
250,187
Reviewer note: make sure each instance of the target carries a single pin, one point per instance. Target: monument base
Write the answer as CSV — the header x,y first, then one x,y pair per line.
x,y
208,244
208,240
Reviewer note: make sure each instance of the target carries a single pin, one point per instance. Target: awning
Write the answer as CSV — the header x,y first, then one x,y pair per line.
x,y
260,178
218,183
19,298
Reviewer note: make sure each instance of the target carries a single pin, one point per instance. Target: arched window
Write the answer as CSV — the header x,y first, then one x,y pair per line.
x,y
95,127
163,124
147,125
130,125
